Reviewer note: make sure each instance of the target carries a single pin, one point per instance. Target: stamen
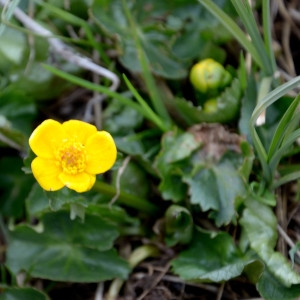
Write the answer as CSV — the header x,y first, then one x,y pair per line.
x,y
72,157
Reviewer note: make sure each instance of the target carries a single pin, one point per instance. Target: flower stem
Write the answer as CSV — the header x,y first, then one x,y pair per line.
x,y
126,199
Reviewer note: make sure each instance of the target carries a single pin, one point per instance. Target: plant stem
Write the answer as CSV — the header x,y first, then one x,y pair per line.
x,y
126,199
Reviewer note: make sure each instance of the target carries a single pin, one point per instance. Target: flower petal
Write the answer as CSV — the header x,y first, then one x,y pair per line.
x,y
79,130
46,138
80,182
101,153
46,173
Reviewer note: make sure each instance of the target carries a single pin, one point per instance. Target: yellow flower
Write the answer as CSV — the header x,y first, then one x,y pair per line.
x,y
70,154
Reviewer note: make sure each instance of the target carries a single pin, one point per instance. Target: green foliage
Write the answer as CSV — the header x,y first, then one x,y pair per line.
x,y
178,225
260,225
10,293
212,257
12,49
270,288
120,119
134,180
66,250
280,143
191,162
17,112
226,110
217,187
176,150
201,191
112,19
14,187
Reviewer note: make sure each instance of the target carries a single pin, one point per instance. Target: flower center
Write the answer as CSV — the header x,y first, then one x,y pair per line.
x,y
72,157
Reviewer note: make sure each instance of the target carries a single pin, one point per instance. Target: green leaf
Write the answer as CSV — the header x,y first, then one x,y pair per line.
x,y
153,116
18,109
37,202
232,27
271,288
66,250
246,167
247,106
217,187
293,252
172,187
264,103
211,257
117,216
178,225
10,137
176,147
61,197
282,127
17,112
12,48
16,293
134,180
228,104
114,214
155,41
15,186
245,12
120,119
260,225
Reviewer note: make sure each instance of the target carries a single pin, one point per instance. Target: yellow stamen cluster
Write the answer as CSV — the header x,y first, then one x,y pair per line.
x,y
72,157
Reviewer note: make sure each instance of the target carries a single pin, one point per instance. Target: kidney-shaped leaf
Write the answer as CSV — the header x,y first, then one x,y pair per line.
x,y
217,187
211,258
66,250
271,289
155,42
14,293
176,147
259,223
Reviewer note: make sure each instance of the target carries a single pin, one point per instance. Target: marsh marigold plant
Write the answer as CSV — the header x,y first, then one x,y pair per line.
x,y
70,154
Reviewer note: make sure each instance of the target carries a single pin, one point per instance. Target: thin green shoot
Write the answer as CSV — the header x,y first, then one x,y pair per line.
x,y
152,115
155,97
234,29
269,99
280,132
268,33
246,14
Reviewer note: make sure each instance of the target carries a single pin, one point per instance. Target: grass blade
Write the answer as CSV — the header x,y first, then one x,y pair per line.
x,y
267,32
151,114
97,88
234,29
246,14
282,126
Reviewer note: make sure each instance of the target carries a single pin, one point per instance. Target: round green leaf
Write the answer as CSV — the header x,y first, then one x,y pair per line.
x,y
272,289
66,250
260,226
12,293
210,257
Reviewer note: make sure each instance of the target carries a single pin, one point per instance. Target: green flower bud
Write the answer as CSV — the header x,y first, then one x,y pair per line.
x,y
209,76
210,106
